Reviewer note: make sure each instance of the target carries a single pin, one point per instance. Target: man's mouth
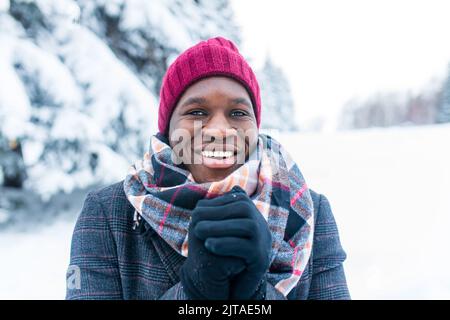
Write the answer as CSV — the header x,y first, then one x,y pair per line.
x,y
218,154
213,157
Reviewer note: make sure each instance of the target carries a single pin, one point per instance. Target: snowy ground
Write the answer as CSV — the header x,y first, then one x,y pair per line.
x,y
390,193
33,265
389,190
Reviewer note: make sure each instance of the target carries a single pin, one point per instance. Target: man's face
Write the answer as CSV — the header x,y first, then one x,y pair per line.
x,y
213,128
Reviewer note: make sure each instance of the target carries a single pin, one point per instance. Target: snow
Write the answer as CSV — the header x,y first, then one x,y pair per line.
x,y
71,88
34,264
155,14
32,150
4,5
66,10
111,167
3,216
89,60
73,125
72,82
175,28
15,108
389,193
49,72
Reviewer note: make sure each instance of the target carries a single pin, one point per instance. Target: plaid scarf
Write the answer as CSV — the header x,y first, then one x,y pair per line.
x,y
164,195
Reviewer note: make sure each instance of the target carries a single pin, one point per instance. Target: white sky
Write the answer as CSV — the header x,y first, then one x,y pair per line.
x,y
332,51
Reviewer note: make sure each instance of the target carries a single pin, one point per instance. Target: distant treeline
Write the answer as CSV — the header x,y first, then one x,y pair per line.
x,y
385,109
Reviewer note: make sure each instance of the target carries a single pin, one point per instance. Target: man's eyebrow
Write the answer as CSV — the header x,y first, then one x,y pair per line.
x,y
241,101
193,100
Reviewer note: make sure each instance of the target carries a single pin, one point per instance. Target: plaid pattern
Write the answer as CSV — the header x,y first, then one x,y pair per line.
x,y
117,262
164,195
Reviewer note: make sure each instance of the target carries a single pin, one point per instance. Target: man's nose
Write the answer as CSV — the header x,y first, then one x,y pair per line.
x,y
218,130
218,121
218,126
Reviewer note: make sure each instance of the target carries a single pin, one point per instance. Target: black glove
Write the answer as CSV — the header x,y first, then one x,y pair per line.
x,y
244,234
205,275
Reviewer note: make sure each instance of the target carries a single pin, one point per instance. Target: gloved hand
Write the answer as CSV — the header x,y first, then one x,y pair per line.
x,y
244,234
205,275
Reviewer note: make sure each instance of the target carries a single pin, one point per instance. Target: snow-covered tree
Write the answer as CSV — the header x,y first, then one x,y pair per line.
x,y
444,107
80,82
148,35
278,110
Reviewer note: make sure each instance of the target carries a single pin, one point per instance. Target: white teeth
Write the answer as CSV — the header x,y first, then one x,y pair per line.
x,y
217,154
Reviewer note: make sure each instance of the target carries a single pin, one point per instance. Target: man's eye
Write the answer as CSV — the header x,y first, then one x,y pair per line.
x,y
197,113
238,113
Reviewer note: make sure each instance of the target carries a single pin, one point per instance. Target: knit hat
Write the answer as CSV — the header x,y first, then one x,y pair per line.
x,y
213,57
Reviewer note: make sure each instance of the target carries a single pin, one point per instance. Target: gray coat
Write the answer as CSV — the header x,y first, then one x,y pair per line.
x,y
110,260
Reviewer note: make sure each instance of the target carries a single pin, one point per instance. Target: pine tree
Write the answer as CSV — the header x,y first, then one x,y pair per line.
x,y
276,98
83,83
443,114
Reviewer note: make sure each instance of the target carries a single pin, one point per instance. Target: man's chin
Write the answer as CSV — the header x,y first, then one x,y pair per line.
x,y
217,174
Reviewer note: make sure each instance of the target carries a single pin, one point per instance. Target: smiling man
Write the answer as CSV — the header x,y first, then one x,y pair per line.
x,y
215,210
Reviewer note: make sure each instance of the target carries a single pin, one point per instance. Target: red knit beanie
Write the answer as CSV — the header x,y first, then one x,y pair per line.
x,y
215,56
